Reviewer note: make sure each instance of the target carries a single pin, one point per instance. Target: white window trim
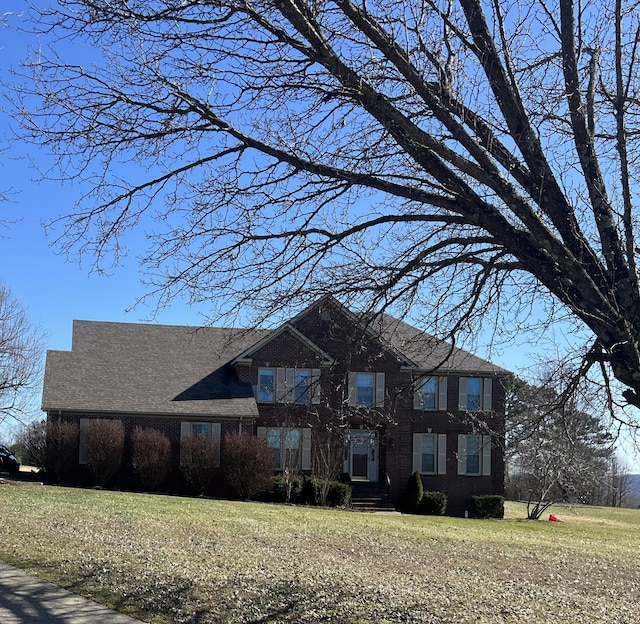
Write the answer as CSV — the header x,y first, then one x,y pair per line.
x,y
440,450
378,389
485,455
441,394
305,443
186,431
486,397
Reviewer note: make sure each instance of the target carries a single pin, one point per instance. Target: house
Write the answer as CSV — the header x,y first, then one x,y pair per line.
x,y
399,400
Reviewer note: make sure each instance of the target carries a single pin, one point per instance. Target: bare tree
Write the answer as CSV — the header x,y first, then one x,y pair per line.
x,y
20,358
617,484
444,158
555,451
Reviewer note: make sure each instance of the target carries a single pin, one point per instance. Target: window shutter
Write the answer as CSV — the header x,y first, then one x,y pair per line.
x,y
462,394
442,394
442,453
280,385
289,385
315,386
487,386
417,452
462,454
84,441
379,389
185,432
417,396
306,448
352,388
486,455
216,430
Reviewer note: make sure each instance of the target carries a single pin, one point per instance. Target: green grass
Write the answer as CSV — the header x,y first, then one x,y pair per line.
x,y
169,559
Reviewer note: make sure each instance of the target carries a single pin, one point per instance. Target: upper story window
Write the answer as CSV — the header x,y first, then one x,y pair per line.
x,y
431,394
288,385
475,394
366,389
266,385
301,385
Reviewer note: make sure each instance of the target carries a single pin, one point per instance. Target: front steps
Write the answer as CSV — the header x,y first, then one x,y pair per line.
x,y
370,497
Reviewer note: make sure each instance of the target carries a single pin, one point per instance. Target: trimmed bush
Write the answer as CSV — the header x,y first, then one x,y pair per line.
x,y
105,446
433,504
488,506
248,463
151,456
309,491
198,461
288,489
339,494
413,494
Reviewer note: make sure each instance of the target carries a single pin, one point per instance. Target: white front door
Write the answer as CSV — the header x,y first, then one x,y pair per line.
x,y
361,455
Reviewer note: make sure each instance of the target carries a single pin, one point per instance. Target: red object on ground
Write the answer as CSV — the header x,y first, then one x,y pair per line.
x,y
553,518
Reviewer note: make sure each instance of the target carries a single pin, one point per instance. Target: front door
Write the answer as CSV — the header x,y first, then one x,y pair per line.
x,y
361,455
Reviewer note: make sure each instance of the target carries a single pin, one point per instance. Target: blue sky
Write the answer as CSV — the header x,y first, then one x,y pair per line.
x,y
54,289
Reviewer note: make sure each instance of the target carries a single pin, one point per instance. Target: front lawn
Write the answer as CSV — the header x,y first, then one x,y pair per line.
x,y
170,559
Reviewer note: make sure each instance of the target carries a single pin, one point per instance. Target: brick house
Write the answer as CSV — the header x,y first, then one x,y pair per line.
x,y
398,399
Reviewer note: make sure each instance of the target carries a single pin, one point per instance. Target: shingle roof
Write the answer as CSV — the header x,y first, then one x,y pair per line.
x,y
152,369
429,353
179,370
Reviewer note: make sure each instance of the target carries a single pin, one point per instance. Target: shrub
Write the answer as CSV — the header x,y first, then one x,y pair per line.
x,y
309,491
339,494
105,445
413,494
151,456
288,488
198,461
52,447
248,463
61,449
488,506
433,504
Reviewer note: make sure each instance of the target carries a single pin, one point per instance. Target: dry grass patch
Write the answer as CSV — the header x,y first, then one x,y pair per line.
x,y
191,560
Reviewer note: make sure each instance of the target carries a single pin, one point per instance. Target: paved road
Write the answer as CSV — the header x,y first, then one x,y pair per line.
x,y
25,599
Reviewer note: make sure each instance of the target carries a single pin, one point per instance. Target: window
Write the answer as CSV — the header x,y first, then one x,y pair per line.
x,y
430,453
366,389
474,455
431,394
291,446
288,385
201,429
266,385
475,394
302,383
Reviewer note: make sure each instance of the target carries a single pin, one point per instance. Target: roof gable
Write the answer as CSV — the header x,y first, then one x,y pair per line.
x,y
287,327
